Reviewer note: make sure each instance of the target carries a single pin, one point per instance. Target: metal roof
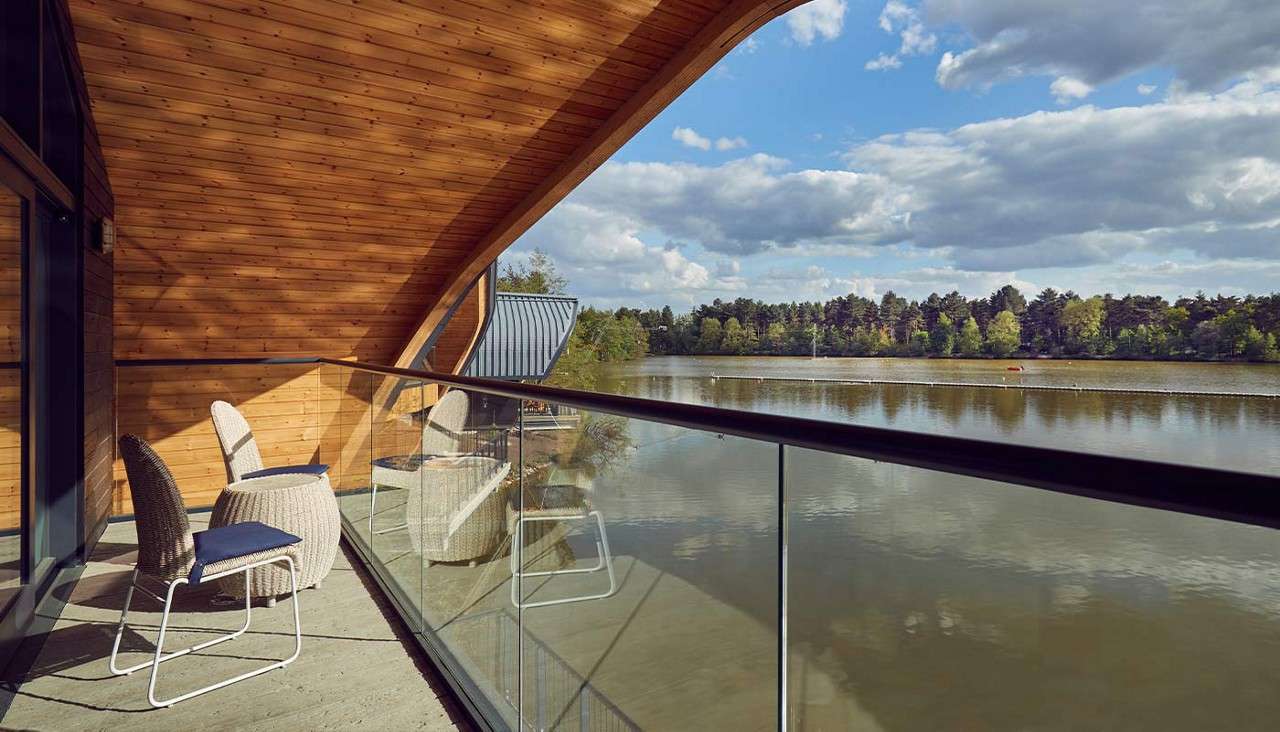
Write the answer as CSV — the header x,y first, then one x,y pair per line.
x,y
524,336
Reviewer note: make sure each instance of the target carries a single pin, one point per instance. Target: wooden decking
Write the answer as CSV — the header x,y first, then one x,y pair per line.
x,y
358,668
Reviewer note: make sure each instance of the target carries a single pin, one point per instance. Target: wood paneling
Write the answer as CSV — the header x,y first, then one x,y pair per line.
x,y
272,157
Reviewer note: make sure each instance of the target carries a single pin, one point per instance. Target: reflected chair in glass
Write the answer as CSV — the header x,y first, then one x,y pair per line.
x,y
240,450
442,432
170,553
455,511
557,503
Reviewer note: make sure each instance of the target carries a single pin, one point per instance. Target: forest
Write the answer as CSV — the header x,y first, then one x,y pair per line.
x,y
1004,324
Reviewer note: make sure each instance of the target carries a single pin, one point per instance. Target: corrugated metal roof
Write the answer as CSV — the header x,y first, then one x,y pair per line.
x,y
524,337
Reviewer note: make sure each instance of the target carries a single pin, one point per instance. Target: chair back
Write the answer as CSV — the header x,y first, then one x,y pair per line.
x,y
442,432
239,449
165,547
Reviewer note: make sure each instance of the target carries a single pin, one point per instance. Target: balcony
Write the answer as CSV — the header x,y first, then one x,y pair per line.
x,y
264,203
659,566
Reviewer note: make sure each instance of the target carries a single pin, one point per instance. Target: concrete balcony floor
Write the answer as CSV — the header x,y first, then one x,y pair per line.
x,y
359,669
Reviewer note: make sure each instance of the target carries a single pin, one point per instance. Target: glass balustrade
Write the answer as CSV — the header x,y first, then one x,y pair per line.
x,y
574,569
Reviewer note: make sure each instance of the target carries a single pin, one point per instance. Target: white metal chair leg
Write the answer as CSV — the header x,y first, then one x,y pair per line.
x,y
115,647
124,615
373,497
605,561
160,656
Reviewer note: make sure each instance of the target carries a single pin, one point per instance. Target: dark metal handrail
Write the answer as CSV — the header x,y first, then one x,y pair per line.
x,y
1249,498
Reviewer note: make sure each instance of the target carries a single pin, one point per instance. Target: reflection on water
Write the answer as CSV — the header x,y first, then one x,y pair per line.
x,y
927,601
1234,433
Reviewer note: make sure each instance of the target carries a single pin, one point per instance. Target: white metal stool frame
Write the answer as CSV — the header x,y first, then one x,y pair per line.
x,y
602,549
161,657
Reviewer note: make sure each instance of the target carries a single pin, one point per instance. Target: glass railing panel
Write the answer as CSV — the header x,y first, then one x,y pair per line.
x,y
648,585
923,600
395,442
458,515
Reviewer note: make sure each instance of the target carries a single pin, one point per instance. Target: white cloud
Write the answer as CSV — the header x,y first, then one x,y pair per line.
x,y
904,20
919,283
816,19
1073,188
1209,43
688,137
1087,185
1146,90
730,143
1066,89
748,205
748,47
883,62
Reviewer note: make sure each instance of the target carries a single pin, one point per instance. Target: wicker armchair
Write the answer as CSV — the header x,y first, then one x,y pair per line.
x,y
170,553
240,450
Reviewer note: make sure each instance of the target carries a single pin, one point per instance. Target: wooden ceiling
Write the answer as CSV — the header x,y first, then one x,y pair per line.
x,y
325,177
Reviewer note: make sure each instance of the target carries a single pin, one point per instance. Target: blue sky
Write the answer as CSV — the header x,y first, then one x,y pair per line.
x,y
949,144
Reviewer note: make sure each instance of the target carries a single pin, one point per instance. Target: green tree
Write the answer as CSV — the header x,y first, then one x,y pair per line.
x,y
709,336
942,339
1004,334
1082,324
867,340
576,367
1204,337
1256,344
734,339
918,345
538,277
969,343
775,338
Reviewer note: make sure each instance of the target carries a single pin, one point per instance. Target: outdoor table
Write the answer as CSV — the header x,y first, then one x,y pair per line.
x,y
299,503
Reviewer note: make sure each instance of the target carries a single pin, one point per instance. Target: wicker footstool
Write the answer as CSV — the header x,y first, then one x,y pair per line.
x,y
303,505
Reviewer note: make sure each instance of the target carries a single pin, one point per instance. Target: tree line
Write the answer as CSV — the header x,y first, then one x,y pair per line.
x,y
1004,324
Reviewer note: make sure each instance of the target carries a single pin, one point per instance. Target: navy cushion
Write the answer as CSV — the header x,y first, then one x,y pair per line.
x,y
236,540
287,470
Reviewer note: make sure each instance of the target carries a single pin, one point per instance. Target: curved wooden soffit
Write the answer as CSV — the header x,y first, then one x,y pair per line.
x,y
737,21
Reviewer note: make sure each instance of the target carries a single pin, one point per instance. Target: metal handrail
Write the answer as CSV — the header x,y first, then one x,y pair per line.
x,y
1249,498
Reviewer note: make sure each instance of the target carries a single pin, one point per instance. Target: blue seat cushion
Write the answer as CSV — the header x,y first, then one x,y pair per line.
x,y
236,540
287,470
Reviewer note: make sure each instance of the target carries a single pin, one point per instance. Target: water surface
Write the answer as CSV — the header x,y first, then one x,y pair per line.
x,y
921,600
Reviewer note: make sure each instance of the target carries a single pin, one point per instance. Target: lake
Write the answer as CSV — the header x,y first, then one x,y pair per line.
x,y
920,600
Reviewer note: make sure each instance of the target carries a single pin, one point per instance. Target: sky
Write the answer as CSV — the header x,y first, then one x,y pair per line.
x,y
937,145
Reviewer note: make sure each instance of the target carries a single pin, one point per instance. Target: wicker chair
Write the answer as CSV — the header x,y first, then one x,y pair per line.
x,y
441,435
240,450
169,552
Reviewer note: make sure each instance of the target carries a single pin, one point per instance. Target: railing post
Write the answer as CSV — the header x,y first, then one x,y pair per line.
x,y
783,540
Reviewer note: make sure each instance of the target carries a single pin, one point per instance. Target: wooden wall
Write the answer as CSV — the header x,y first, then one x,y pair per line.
x,y
10,352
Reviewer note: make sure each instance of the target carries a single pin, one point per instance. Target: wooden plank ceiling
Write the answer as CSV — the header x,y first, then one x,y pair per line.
x,y
311,178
